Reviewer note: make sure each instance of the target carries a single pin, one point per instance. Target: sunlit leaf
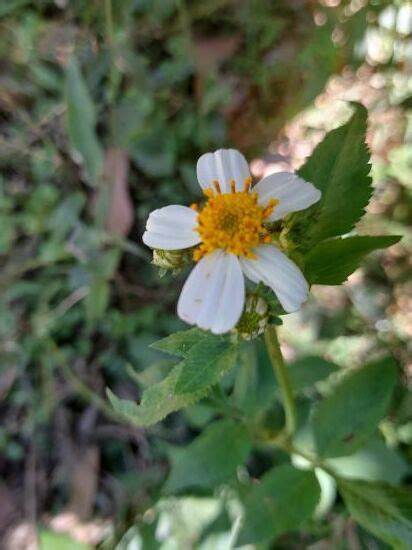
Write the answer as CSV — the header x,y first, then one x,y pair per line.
x,y
339,167
331,262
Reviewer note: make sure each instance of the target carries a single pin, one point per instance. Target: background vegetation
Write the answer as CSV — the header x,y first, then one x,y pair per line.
x,y
104,110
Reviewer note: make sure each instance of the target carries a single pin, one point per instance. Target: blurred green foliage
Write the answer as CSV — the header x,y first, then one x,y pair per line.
x,y
164,81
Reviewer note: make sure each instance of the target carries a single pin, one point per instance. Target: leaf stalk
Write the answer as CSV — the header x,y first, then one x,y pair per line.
x,y
282,376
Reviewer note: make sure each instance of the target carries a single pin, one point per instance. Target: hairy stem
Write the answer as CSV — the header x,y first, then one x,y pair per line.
x,y
281,373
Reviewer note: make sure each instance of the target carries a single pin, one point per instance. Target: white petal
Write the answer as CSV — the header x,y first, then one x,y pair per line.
x,y
222,166
292,192
171,228
214,293
282,275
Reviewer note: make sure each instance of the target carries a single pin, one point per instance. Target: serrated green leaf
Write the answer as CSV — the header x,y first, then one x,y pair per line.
x,y
157,402
204,364
339,167
331,262
382,509
208,461
80,124
284,499
350,413
181,342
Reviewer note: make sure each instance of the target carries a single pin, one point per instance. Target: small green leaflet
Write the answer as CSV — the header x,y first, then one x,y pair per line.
x,y
157,402
210,459
181,342
382,509
349,415
339,167
284,498
80,124
205,363
331,262
206,358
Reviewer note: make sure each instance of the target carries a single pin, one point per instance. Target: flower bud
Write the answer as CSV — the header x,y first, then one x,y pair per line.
x,y
173,260
254,318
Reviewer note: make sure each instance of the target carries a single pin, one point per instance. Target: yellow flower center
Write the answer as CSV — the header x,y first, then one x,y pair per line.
x,y
232,221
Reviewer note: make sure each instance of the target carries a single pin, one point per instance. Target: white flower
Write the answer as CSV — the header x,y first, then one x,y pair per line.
x,y
231,239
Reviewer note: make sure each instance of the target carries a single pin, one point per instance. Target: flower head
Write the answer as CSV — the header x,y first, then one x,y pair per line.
x,y
232,221
230,239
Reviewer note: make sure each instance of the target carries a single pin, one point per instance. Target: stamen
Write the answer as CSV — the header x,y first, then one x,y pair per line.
x,y
247,184
232,186
217,186
195,206
269,207
198,253
208,192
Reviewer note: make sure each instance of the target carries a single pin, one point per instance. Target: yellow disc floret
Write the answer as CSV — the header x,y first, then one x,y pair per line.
x,y
232,221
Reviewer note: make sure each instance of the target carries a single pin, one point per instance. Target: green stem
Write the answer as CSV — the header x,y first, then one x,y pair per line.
x,y
281,373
